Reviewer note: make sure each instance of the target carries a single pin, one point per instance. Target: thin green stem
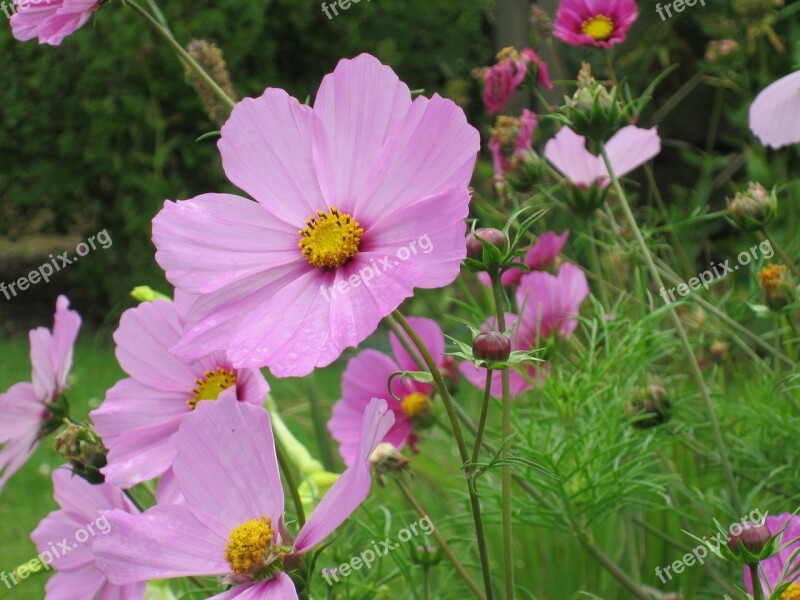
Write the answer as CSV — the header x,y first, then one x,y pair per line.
x,y
448,552
594,259
291,483
449,406
132,498
758,594
505,473
687,346
784,257
179,50
487,397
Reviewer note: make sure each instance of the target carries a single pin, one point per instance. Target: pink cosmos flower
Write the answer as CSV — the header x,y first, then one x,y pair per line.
x,y
141,413
231,523
346,193
539,258
367,376
503,78
629,148
600,23
81,505
774,113
548,305
26,407
773,567
50,20
511,142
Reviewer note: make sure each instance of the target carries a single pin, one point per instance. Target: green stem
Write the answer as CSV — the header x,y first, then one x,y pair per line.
x,y
613,568
487,396
594,259
758,593
291,483
693,364
462,446
448,552
505,473
132,498
179,50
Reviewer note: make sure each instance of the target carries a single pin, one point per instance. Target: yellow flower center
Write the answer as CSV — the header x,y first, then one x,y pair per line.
x,y
330,239
248,546
600,27
791,593
771,276
415,404
211,386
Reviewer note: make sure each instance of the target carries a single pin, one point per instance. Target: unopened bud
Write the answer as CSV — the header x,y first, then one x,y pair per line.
x,y
753,208
649,407
491,347
719,350
489,234
753,536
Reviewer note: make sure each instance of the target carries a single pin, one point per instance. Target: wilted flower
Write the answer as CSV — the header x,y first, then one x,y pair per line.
x,y
31,410
386,459
600,23
510,143
778,286
772,112
540,22
83,451
363,177
231,523
541,256
209,56
50,20
503,78
753,208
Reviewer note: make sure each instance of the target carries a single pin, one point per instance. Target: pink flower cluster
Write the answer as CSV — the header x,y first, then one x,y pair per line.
x,y
504,78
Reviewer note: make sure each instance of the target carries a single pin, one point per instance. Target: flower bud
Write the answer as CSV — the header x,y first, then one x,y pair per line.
x,y
489,234
491,347
753,208
753,536
387,459
83,450
777,286
649,407
593,111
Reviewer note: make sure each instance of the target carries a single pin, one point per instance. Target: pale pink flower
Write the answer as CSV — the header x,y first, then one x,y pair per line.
x,y
600,23
80,516
141,413
231,524
26,407
627,149
775,113
50,20
347,194
503,78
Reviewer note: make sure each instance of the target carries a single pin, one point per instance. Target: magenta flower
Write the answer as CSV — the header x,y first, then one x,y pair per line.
x,y
367,376
80,523
503,78
141,413
538,258
231,523
600,23
548,305
50,20
629,148
770,570
511,142
360,199
26,407
773,114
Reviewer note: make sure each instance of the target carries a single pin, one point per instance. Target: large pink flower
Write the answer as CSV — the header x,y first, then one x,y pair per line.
x,y
290,281
775,113
79,524
600,23
503,78
770,570
25,407
538,258
367,376
231,523
141,413
629,148
50,20
548,305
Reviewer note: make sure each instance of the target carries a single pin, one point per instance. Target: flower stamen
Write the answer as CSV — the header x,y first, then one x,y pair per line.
x,y
211,386
249,545
600,27
415,404
330,239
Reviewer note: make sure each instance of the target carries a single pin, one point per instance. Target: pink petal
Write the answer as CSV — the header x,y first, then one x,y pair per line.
x,y
51,354
280,587
567,151
431,335
630,147
266,149
164,542
550,303
352,488
168,490
237,239
226,464
61,527
775,113
477,377
140,455
79,582
357,105
78,497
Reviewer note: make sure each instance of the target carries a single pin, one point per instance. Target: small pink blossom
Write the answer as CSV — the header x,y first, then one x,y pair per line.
x,y
538,258
599,23
503,78
25,407
50,20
